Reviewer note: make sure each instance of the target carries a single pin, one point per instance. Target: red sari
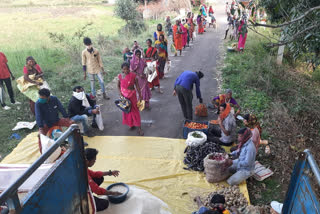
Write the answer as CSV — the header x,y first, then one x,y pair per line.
x,y
150,53
177,36
133,117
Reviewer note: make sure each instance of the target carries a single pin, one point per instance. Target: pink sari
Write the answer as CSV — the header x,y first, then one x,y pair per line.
x,y
243,37
133,117
184,35
138,66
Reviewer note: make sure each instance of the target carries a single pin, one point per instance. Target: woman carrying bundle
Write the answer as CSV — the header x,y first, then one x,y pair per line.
x,y
137,65
128,87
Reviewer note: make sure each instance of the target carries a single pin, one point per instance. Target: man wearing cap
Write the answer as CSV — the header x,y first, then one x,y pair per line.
x,y
183,88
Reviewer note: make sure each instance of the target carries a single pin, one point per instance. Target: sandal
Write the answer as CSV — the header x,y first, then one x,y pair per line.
x,y
140,132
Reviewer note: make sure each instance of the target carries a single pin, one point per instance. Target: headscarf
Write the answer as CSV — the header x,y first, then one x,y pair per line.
x,y
82,97
245,137
226,112
135,61
252,122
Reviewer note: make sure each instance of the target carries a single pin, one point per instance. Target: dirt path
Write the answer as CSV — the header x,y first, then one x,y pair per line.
x,y
165,119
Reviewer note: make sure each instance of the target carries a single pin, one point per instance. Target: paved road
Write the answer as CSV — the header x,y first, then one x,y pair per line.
x,y
165,118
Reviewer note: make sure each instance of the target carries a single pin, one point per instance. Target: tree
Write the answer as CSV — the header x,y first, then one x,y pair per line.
x,y
299,21
126,10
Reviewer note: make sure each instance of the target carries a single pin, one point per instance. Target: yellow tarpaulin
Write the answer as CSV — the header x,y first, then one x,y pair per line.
x,y
154,164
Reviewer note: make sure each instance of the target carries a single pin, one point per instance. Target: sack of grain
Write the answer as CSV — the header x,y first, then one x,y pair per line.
x,y
215,167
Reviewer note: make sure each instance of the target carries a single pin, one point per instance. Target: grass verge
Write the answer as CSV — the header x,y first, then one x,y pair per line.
x,y
61,60
280,97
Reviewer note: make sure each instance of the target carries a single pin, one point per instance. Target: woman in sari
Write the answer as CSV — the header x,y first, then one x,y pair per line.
x,y
168,26
184,34
200,24
159,32
31,81
163,58
150,56
243,35
128,87
191,25
226,98
137,65
177,36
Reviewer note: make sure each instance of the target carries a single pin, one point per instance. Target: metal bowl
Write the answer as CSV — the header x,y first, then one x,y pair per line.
x,y
119,198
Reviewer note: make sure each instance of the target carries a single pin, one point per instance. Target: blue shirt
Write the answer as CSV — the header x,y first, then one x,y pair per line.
x,y
187,79
48,113
247,156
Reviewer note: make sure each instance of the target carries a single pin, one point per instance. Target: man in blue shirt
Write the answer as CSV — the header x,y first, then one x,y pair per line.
x,y
243,166
47,110
183,88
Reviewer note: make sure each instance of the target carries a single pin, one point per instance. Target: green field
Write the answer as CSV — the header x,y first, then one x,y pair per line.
x,y
26,26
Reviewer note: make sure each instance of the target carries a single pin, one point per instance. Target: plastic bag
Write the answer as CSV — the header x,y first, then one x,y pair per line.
x,y
195,141
216,170
141,105
194,35
151,71
46,143
2,95
201,110
167,67
173,49
123,104
99,120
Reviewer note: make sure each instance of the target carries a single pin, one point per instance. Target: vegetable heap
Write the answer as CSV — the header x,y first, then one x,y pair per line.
x,y
194,125
196,135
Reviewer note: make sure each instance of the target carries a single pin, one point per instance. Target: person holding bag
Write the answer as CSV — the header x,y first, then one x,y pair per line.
x,y
128,87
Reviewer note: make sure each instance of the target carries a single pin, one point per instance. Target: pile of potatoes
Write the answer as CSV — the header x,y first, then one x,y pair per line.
x,y
233,196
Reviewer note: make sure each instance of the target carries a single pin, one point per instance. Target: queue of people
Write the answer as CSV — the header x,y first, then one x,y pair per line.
x,y
236,26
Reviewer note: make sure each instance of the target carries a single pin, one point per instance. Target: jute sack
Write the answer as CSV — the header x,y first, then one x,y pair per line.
x,y
216,170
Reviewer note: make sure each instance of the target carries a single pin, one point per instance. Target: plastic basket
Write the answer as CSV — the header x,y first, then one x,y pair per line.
x,y
186,130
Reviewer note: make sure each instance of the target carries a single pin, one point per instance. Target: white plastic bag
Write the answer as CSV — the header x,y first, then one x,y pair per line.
x,y
194,35
193,141
46,143
99,120
45,85
167,67
151,70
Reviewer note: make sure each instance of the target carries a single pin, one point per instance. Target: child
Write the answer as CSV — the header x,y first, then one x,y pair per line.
x,y
217,202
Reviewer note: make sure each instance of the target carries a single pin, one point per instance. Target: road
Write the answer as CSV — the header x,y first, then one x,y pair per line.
x,y
165,119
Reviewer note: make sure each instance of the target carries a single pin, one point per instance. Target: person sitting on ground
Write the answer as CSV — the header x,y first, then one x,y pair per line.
x,y
245,156
95,179
226,98
183,88
225,134
32,76
92,64
47,110
251,121
5,78
217,202
80,107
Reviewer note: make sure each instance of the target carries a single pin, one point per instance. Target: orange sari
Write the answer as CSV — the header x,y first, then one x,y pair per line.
x,y
177,36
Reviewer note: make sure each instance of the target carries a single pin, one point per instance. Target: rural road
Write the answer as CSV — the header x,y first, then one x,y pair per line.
x,y
165,119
